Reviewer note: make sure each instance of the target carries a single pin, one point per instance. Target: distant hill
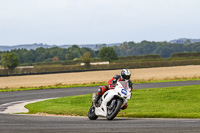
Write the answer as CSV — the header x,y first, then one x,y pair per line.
x,y
26,46
185,40
38,45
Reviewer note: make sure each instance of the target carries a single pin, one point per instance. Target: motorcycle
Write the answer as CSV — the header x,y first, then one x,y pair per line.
x,y
110,102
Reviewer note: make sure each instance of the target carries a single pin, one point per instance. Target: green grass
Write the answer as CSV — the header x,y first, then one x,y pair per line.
x,y
169,102
94,84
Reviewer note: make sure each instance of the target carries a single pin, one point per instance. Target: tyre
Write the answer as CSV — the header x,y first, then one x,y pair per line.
x,y
91,113
112,112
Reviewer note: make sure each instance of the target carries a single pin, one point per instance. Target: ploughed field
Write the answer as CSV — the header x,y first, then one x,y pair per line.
x,y
145,74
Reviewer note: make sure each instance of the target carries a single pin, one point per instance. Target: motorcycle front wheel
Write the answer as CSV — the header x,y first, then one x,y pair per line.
x,y
112,112
91,113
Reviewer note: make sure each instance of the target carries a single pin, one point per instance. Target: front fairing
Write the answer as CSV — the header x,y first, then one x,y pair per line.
x,y
122,91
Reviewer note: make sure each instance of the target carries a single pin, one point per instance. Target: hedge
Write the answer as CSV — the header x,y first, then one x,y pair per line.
x,y
112,66
154,56
185,55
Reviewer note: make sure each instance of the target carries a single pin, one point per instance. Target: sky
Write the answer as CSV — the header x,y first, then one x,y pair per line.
x,y
97,21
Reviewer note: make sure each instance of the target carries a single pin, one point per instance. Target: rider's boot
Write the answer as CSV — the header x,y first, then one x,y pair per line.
x,y
94,95
95,98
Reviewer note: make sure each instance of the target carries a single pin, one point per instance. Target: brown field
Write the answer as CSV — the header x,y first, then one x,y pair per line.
x,y
159,73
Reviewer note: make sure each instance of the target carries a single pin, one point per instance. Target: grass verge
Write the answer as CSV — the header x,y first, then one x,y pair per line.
x,y
169,102
56,86
60,85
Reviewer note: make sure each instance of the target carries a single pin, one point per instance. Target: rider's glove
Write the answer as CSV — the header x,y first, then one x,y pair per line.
x,y
114,81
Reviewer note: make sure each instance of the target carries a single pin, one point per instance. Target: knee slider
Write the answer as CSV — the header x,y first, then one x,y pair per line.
x,y
125,106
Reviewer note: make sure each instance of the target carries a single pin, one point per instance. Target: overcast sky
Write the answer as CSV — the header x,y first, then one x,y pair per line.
x,y
97,21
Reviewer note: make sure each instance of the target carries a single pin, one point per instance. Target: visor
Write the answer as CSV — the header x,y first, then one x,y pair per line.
x,y
126,77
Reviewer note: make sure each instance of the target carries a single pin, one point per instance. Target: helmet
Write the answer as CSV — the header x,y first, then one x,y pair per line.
x,y
125,74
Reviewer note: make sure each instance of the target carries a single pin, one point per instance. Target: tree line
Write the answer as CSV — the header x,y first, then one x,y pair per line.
x,y
11,59
165,49
50,54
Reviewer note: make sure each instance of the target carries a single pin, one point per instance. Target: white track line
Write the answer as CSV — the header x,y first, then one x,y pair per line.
x,y
18,106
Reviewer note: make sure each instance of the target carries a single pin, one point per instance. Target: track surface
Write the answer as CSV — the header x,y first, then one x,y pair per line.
x,y
51,124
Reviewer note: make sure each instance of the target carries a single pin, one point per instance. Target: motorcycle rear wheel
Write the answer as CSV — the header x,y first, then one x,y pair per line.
x,y
91,113
115,110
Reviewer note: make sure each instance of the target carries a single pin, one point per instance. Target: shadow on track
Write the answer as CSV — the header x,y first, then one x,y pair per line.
x,y
116,119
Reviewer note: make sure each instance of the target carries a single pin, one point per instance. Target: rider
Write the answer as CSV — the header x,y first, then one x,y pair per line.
x,y
123,78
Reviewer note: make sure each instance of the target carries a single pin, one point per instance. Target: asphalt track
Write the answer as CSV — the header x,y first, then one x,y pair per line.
x,y
57,124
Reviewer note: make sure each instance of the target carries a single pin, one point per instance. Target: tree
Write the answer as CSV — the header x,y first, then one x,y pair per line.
x,y
10,61
86,57
187,41
55,58
68,56
28,57
108,53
